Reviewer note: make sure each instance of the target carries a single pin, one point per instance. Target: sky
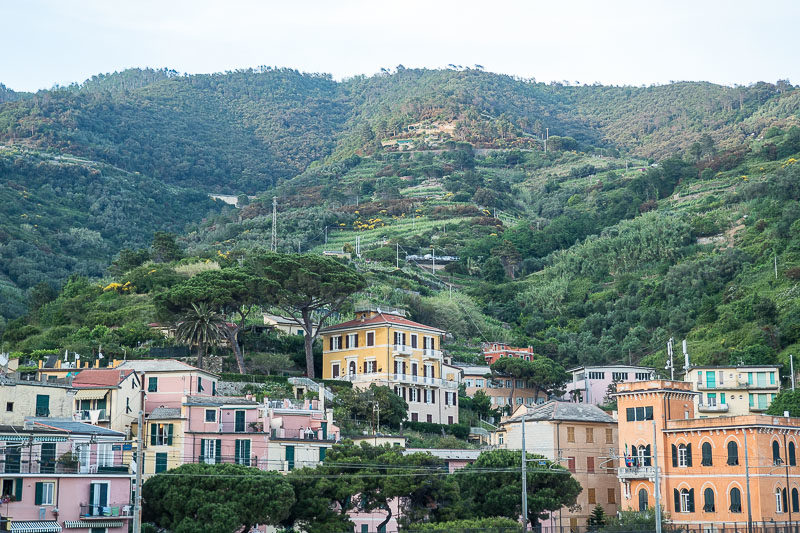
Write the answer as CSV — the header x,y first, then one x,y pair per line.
x,y
615,42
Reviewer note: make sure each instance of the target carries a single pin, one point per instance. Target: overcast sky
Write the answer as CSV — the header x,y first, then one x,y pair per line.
x,y
612,42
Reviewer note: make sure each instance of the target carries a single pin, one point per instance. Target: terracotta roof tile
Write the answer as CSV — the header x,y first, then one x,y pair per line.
x,y
100,378
381,318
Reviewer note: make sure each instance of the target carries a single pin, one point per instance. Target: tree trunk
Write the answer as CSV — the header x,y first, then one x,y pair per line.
x,y
388,517
233,339
308,340
200,355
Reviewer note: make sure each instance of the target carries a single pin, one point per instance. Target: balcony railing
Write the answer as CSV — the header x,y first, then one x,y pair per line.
x,y
249,427
301,434
408,379
403,349
734,385
60,467
113,510
636,472
434,354
85,416
713,408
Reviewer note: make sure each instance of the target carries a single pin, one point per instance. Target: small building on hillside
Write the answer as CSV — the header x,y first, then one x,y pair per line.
x,y
590,384
167,381
733,390
582,438
20,399
492,351
506,393
109,398
283,324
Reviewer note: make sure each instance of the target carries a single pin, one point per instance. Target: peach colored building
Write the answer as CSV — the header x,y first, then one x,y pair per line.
x,y
492,351
505,392
167,381
582,438
707,466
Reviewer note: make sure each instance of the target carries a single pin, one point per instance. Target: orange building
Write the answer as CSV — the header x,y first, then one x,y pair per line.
x,y
707,466
492,351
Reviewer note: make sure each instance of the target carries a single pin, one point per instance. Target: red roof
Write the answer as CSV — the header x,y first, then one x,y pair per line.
x,y
100,378
381,318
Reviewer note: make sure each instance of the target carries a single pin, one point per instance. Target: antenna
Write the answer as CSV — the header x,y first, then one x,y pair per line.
x,y
670,363
686,357
274,245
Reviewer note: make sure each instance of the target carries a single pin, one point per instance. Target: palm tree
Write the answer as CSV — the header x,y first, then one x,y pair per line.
x,y
200,326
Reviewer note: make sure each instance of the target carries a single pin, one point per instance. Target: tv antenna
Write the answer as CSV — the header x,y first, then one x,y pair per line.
x,y
670,362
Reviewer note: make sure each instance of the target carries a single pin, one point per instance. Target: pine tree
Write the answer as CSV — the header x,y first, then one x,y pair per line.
x,y
597,519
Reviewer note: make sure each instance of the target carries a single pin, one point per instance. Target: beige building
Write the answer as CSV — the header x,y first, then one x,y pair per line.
x,y
505,392
109,398
283,324
387,349
581,437
733,390
20,399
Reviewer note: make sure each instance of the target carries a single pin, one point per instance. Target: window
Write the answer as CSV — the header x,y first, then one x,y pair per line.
x,y
336,342
711,380
42,405
619,376
706,452
733,453
795,501
199,384
589,435
351,368
501,440
335,370
370,338
370,367
9,407
779,501
429,419
351,341
210,451
571,464
612,496
211,415
570,434
638,414
413,340
590,465
242,452
152,384
736,501
479,383
642,376
792,456
684,500
642,499
772,378
642,455
44,493
682,455
399,338
708,500
722,398
609,436
161,434
161,462
238,421
508,383
597,375
592,497
776,453
520,384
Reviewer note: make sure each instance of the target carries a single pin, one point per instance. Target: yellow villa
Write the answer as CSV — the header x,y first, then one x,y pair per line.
x,y
386,348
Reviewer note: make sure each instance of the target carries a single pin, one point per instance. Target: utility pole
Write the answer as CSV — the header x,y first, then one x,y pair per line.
x,y
137,504
670,363
775,257
397,256
326,234
524,478
791,366
656,483
747,481
274,244
433,260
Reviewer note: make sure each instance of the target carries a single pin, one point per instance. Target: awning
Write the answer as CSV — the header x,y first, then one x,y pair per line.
x,y
35,526
91,394
74,524
36,438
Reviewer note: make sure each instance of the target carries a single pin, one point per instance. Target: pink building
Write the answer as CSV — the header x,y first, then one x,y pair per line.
x,y
590,384
301,432
58,473
167,381
492,351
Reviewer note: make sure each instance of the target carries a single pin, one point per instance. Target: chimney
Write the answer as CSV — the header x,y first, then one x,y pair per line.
x,y
121,376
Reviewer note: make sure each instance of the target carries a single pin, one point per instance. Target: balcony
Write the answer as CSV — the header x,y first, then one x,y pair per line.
x,y
735,385
11,466
402,349
404,379
713,408
85,416
431,353
301,434
636,472
249,427
114,510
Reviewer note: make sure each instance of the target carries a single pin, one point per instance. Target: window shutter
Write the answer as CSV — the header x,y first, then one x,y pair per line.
x,y
322,453
38,497
169,434
691,500
331,343
675,461
91,493
689,455
104,491
236,454
153,431
647,456
677,496
18,490
356,339
218,451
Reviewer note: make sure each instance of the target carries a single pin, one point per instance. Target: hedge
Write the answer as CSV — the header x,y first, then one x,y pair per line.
x,y
483,525
252,378
460,431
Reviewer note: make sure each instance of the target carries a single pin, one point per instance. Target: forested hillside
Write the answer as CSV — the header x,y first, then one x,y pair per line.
x,y
656,212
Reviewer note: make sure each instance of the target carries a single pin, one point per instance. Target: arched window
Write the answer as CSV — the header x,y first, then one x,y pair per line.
x,y
733,453
634,456
684,500
795,501
780,501
776,453
706,449
708,500
352,367
682,455
736,500
643,499
792,456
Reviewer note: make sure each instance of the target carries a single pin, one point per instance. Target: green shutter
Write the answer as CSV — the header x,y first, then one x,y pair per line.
x,y
152,384
161,462
170,431
236,453
37,500
199,384
324,430
290,456
42,405
18,490
219,451
153,431
104,487
322,454
91,493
